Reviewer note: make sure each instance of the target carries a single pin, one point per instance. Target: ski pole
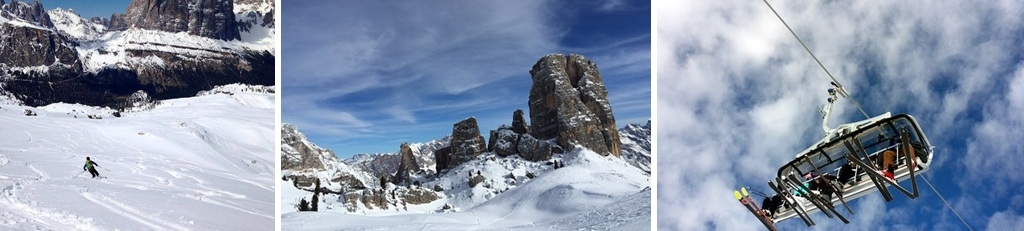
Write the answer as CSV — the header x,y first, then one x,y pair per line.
x,y
79,174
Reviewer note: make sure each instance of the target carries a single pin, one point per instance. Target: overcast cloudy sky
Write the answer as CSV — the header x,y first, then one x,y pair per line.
x,y
365,76
737,97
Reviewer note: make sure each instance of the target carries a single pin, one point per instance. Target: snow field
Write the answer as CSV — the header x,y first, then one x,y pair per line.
x,y
201,163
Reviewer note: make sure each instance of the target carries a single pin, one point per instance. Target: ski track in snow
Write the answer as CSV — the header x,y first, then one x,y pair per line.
x,y
130,212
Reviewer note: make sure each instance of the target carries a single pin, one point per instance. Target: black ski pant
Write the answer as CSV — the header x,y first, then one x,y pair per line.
x,y
94,172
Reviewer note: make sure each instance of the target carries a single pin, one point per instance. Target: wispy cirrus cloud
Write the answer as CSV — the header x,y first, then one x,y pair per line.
x,y
359,75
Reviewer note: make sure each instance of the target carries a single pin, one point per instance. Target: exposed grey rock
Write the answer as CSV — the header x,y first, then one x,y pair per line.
x,y
519,123
636,145
207,18
118,22
407,165
504,141
569,103
31,47
476,180
466,144
533,149
348,182
32,13
306,157
418,196
443,159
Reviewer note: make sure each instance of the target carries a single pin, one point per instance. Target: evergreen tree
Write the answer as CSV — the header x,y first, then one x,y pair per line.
x,y
303,205
314,203
316,195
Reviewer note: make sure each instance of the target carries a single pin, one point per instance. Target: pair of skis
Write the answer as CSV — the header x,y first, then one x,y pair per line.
x,y
754,209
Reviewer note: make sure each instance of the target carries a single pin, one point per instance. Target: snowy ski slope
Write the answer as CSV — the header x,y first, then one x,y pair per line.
x,y
200,163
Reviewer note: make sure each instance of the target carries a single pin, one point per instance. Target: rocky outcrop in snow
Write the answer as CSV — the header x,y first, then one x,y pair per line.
x,y
569,103
207,18
533,149
514,140
406,166
466,144
503,141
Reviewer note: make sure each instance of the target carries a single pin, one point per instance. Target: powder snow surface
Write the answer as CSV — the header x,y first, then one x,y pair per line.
x,y
201,163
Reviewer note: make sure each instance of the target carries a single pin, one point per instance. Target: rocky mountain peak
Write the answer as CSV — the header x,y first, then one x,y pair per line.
x,y
298,153
569,103
33,13
207,18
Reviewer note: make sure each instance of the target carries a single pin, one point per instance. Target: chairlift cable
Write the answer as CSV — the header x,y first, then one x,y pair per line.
x,y
834,80
947,203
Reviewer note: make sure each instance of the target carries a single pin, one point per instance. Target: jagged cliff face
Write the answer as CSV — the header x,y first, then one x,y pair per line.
x,y
207,18
29,48
33,14
303,162
38,48
636,145
569,103
299,154
56,56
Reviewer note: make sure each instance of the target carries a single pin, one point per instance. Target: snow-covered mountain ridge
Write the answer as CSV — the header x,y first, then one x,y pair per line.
x,y
102,61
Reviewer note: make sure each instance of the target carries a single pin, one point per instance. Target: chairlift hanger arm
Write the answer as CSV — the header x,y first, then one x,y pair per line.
x,y
835,82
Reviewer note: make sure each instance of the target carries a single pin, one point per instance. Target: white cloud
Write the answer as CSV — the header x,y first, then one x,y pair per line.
x,y
1005,220
995,147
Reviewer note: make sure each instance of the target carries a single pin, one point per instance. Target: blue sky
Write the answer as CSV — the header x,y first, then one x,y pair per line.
x,y
365,76
87,8
737,98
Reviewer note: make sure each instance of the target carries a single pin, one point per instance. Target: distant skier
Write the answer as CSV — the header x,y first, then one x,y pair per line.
x,y
91,166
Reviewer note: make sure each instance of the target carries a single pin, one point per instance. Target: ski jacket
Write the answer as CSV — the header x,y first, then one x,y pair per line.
x,y
89,164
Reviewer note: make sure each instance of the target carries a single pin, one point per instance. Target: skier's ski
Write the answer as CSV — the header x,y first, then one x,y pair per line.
x,y
752,207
